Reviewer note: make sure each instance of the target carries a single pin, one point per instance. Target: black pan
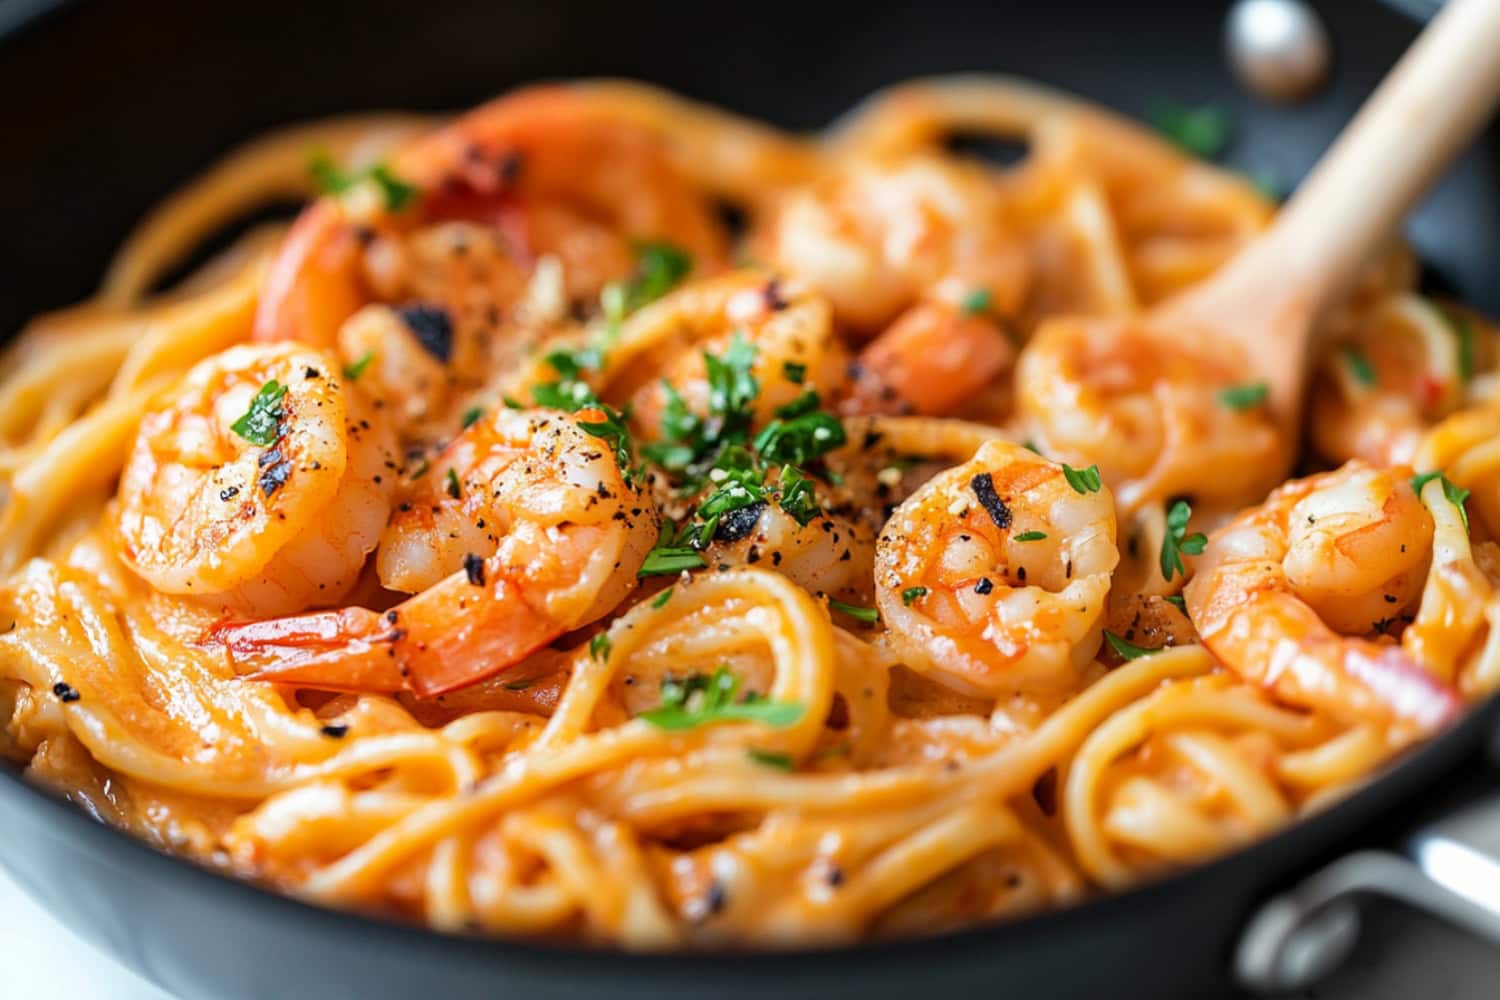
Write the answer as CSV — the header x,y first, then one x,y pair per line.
x,y
109,106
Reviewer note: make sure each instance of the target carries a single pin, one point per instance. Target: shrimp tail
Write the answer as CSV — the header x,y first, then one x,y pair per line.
x,y
436,642
352,649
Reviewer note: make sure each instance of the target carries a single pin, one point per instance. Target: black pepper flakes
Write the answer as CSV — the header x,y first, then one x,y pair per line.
x,y
983,486
474,569
65,692
335,730
984,586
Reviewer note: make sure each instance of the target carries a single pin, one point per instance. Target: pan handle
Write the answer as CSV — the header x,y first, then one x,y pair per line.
x,y
1450,867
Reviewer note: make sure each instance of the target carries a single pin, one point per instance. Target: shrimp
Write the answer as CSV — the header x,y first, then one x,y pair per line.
x,y
935,357
787,324
524,528
1406,364
260,484
543,173
1158,415
992,577
828,556
1298,594
876,236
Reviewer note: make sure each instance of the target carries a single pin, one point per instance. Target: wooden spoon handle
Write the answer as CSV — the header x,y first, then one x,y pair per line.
x,y
1427,108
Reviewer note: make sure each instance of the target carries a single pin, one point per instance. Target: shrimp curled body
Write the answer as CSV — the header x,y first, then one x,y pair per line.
x,y
525,528
1294,595
264,526
992,577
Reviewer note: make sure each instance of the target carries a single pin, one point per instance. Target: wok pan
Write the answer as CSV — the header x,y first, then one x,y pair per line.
x,y
110,106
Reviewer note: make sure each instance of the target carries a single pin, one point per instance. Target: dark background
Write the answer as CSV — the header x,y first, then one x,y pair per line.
x,y
107,106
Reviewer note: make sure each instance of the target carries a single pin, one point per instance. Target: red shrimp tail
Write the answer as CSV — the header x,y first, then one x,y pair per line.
x,y
349,650
1401,684
468,640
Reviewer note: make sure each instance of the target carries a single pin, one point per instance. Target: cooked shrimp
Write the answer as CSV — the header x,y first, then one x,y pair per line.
x,y
545,171
267,518
1298,593
1402,368
830,555
788,326
992,577
525,527
877,236
935,357
1157,414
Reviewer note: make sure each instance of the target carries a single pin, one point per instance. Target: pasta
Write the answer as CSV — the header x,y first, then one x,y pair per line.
x,y
509,547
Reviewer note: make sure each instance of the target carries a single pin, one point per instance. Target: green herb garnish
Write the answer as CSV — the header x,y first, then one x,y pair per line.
x,y
1201,131
1178,600
1127,650
1359,365
779,761
976,302
911,594
702,699
262,420
671,554
1244,397
1176,541
1031,536
660,600
455,490
356,368
1455,494
472,415
867,615
600,646
795,373
1083,480
396,192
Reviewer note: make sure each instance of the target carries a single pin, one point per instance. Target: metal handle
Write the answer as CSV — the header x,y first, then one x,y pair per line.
x,y
1449,867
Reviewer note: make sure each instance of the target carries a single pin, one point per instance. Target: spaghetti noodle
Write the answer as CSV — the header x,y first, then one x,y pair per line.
x,y
488,550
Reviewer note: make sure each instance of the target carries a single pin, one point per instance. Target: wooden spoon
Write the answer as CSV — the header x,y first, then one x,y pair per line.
x,y
1268,297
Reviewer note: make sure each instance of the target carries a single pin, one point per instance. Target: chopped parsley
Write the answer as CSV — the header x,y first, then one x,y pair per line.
x,y
659,268
354,369
706,699
779,761
455,490
1031,536
472,415
671,554
795,372
660,601
867,615
262,421
1083,480
1202,131
977,302
600,646
396,192
911,594
1127,650
1244,397
1176,541
1455,494
1359,365
1178,600
571,394
800,433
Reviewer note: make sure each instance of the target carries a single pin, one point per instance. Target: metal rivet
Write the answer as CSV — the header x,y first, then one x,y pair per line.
x,y
1278,48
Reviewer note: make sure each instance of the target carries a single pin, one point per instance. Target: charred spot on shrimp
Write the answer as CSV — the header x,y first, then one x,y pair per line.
x,y
432,327
474,569
738,524
983,486
275,470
